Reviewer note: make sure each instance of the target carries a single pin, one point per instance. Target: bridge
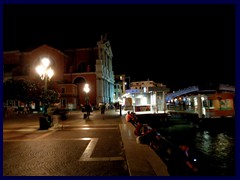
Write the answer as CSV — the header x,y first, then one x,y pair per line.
x,y
181,92
225,87
222,87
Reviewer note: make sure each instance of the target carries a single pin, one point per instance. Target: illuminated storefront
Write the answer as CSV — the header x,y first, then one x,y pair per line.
x,y
139,100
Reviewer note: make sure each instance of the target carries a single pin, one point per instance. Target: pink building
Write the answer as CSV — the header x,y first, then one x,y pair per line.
x,y
72,69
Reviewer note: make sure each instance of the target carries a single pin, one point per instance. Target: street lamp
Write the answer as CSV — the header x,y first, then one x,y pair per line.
x,y
45,72
86,89
124,83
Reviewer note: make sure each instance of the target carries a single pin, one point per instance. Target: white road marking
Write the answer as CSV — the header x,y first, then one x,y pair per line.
x,y
86,156
18,130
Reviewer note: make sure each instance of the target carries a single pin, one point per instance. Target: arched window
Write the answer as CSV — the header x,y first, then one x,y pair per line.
x,y
82,67
79,80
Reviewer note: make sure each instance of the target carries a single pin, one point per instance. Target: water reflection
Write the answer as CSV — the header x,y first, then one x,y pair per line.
x,y
217,152
203,141
213,147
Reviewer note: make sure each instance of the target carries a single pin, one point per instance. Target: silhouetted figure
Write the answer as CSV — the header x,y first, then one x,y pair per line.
x,y
131,117
88,109
181,163
102,109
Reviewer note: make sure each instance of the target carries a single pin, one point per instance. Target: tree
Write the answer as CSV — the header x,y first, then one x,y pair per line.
x,y
52,96
28,91
15,90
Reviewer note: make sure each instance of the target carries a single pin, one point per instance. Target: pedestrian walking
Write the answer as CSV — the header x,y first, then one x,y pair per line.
x,y
88,109
116,106
102,108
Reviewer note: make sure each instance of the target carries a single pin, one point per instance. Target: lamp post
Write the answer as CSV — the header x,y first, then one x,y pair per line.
x,y
45,72
128,77
86,89
125,84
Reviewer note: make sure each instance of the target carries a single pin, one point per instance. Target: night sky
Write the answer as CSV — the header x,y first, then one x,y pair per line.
x,y
177,45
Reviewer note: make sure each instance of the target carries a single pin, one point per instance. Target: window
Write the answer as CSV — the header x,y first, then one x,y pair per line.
x,y
82,67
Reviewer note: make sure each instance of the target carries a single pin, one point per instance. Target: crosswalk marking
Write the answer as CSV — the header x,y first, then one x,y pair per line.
x,y
86,156
75,127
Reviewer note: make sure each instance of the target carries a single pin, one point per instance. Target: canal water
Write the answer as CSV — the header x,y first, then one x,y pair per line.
x,y
212,142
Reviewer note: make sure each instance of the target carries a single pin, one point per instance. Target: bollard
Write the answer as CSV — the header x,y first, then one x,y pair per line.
x,y
120,107
43,123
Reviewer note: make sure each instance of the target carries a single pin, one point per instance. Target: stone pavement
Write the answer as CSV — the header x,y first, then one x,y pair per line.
x,y
141,159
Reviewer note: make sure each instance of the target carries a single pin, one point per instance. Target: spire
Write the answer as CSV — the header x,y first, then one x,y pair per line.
x,y
105,37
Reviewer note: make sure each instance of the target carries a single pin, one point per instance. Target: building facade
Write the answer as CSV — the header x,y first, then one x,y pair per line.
x,y
219,102
72,68
145,96
145,85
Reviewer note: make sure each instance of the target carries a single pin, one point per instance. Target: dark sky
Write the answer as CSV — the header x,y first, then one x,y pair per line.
x,y
178,45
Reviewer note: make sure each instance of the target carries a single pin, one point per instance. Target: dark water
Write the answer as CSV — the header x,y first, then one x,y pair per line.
x,y
213,145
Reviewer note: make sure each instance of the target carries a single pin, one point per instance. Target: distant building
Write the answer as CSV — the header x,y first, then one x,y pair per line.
x,y
72,69
118,92
211,103
122,83
144,85
145,96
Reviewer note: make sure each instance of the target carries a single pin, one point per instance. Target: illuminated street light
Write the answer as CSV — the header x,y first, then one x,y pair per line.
x,y
45,72
128,77
86,89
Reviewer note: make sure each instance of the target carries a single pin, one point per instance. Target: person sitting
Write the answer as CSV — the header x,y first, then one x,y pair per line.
x,y
186,157
180,162
145,133
148,135
139,129
131,117
128,116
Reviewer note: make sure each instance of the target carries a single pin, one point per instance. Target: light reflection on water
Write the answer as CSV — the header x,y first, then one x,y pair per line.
x,y
218,152
214,148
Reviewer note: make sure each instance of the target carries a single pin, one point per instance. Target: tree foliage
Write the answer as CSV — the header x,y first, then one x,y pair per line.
x,y
27,91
